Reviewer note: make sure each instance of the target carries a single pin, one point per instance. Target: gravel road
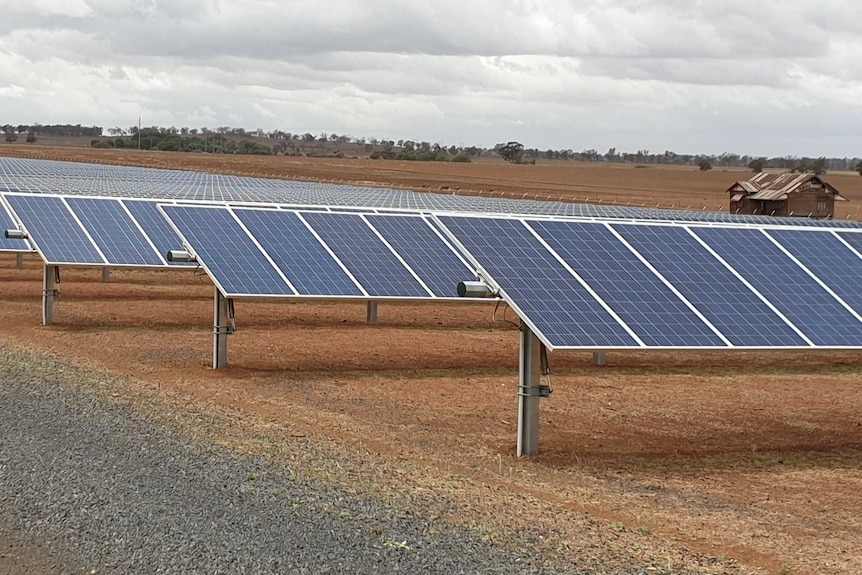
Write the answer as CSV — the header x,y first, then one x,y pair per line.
x,y
87,486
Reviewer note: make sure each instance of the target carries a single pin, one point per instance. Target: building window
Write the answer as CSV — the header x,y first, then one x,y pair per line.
x,y
822,207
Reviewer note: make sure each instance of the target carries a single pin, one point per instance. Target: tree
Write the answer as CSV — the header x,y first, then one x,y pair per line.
x,y
511,152
704,165
859,167
818,166
757,164
388,152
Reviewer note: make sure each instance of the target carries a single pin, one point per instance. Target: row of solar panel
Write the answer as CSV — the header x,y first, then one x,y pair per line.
x,y
607,286
316,254
578,284
278,253
42,176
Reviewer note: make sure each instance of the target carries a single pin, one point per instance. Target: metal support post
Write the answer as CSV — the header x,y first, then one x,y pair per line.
x,y
600,358
106,274
529,392
20,262
51,277
371,312
220,330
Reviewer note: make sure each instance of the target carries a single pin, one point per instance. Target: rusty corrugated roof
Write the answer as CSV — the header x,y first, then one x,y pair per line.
x,y
766,186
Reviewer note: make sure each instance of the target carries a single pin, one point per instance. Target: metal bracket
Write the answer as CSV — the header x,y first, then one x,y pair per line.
x,y
229,329
543,391
53,292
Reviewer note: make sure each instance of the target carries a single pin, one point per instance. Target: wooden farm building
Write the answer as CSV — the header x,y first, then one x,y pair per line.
x,y
804,195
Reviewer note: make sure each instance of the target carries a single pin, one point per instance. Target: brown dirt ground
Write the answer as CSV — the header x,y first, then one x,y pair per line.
x,y
755,457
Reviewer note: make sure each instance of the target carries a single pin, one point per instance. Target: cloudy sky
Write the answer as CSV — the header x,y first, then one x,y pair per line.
x,y
765,77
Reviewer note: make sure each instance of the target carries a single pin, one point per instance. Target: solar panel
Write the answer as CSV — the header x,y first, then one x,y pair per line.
x,y
853,240
298,253
425,252
55,232
654,312
795,293
829,259
367,257
8,223
731,306
114,232
147,215
537,285
226,250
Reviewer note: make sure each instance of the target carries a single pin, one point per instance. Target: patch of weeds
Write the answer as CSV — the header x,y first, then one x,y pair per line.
x,y
485,531
644,530
400,545
618,526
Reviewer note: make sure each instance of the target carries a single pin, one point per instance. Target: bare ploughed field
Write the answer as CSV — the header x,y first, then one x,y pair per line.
x,y
754,459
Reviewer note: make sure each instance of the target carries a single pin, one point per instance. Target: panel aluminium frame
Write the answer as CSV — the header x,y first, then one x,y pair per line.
x,y
207,255
77,226
615,225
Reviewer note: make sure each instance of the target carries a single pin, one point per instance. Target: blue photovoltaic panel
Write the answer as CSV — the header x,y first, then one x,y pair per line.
x,y
829,259
365,255
742,317
792,291
656,314
299,255
225,249
8,223
430,257
114,232
157,228
854,239
55,232
548,295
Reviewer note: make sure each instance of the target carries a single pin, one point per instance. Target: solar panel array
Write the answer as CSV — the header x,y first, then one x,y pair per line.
x,y
280,253
579,284
94,231
616,285
70,178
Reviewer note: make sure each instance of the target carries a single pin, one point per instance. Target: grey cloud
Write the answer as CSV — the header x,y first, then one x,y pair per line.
x,y
266,30
661,74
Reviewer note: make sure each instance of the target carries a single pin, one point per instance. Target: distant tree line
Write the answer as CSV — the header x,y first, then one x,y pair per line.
x,y
225,139
167,140
705,162
69,130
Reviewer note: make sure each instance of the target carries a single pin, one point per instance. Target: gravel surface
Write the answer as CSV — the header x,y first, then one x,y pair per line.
x,y
88,486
